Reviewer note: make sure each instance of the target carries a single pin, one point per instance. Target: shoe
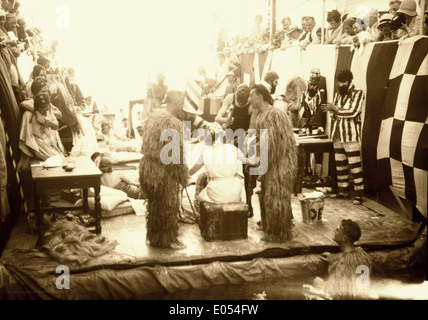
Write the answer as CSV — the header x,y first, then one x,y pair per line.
x,y
357,200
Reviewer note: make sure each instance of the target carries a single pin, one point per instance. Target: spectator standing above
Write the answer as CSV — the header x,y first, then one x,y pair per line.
x,y
373,23
280,36
258,32
384,27
317,40
38,71
348,33
222,70
303,26
334,29
311,35
231,56
156,92
293,34
232,83
411,26
394,5
73,88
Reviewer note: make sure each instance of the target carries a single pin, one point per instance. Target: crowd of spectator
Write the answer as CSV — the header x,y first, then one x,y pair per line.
x,y
401,21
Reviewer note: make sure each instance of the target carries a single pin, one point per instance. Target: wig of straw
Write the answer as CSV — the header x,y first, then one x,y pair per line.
x,y
294,89
159,181
69,242
277,183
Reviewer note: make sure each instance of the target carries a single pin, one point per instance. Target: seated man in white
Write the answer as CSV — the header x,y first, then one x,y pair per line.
x,y
222,181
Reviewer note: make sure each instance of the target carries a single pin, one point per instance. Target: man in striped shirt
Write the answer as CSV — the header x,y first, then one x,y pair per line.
x,y
346,134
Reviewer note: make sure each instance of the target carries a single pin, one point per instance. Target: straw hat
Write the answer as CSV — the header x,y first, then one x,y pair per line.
x,y
408,7
385,19
293,28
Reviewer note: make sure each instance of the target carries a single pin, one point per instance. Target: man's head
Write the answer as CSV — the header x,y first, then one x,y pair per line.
x,y
272,78
344,78
373,16
333,19
105,165
10,23
71,71
313,86
140,130
88,100
231,77
39,71
160,77
310,24
286,23
259,96
348,26
125,122
242,94
44,62
105,127
303,23
347,232
394,5
315,72
258,19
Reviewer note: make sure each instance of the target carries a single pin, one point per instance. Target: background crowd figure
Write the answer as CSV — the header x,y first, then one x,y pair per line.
x,y
402,20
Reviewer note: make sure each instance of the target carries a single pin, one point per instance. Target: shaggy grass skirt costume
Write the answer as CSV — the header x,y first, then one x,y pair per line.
x,y
160,181
278,181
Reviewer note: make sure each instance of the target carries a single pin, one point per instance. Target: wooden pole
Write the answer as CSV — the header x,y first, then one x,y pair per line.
x,y
422,11
273,17
323,22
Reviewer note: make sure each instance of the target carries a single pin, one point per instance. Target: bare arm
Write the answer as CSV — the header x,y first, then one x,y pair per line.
x,y
127,179
221,115
197,166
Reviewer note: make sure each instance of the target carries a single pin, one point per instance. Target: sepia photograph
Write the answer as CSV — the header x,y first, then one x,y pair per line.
x,y
213,155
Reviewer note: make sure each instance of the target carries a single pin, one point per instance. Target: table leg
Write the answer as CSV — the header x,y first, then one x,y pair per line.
x,y
332,171
85,200
38,205
97,209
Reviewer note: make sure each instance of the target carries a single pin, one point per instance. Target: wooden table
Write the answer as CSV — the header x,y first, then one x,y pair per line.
x,y
317,145
84,176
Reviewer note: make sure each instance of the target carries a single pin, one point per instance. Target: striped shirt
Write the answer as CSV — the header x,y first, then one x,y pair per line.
x,y
348,118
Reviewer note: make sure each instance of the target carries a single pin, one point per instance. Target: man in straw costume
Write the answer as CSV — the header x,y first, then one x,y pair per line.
x,y
277,172
162,171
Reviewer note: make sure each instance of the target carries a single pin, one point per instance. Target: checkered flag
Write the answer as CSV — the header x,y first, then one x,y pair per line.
x,y
401,128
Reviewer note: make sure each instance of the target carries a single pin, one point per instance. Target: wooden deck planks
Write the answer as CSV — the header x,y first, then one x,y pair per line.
x,y
380,226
